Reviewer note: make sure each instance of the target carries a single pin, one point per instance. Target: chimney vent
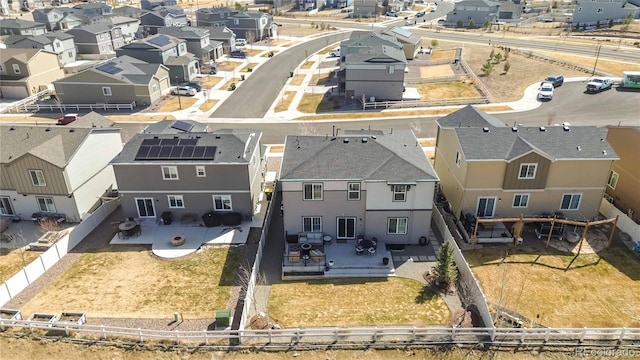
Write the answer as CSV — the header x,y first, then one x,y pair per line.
x,y
566,128
485,129
542,128
514,129
364,139
579,148
345,140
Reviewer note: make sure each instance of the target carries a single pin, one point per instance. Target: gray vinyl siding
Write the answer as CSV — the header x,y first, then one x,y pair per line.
x,y
198,203
418,224
153,57
512,171
375,82
20,180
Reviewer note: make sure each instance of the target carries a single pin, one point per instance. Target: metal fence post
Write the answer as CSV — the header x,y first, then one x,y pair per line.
x,y
104,335
140,335
582,334
375,334
622,331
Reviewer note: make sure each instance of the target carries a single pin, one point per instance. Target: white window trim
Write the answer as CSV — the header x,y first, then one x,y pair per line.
x,y
172,170
106,91
223,199
395,192
16,69
572,195
458,158
45,198
513,203
178,199
528,165
313,188
201,171
319,218
397,219
349,191
36,173
612,182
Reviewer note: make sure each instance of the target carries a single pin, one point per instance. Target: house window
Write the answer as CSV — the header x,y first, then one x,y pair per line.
x,y
399,192
527,171
312,191
200,171
176,201
170,173
70,53
520,200
37,178
16,68
390,69
613,179
57,45
397,226
154,88
46,204
570,201
353,191
236,22
458,158
312,223
222,202
106,91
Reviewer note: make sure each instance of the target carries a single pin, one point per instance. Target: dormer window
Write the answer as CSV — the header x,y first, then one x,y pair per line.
x,y
527,171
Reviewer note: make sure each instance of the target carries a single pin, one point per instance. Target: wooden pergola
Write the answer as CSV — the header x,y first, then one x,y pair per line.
x,y
519,225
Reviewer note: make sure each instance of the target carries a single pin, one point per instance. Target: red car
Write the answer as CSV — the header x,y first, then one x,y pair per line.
x,y
68,118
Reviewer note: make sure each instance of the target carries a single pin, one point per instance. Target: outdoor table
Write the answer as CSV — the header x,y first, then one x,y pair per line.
x,y
127,225
367,244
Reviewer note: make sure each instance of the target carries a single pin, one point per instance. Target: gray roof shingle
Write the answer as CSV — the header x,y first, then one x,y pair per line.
x,y
385,156
469,116
53,144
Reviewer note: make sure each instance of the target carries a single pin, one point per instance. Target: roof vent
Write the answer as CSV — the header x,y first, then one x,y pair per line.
x,y
514,129
364,139
345,140
566,128
542,128
485,129
579,148
12,128
47,129
373,137
72,130
217,136
604,152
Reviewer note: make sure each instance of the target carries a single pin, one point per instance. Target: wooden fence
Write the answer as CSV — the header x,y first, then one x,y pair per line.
x,y
342,337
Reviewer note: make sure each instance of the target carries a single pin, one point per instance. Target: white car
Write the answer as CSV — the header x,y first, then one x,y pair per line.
x,y
184,90
409,22
335,52
545,92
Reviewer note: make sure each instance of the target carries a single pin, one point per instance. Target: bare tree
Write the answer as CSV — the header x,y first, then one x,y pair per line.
x,y
244,280
307,129
251,38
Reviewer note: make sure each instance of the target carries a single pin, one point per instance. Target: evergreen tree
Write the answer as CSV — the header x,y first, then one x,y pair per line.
x,y
459,24
507,66
445,270
472,24
487,68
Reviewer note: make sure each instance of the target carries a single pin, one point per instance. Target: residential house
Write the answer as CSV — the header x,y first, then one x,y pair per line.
x,y
366,39
600,11
221,36
307,5
49,16
187,170
623,185
163,17
166,50
121,80
371,182
24,72
338,4
478,11
21,27
491,170
58,42
94,9
55,171
128,11
151,4
410,41
255,25
69,21
366,8
373,73
97,39
198,42
129,27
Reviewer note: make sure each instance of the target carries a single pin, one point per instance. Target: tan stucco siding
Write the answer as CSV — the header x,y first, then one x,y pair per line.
x,y
578,173
21,180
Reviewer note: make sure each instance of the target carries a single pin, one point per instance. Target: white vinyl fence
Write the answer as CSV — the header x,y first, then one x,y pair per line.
x,y
468,281
44,262
625,223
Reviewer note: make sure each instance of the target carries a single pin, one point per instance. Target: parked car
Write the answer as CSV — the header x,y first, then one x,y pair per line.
x,y
239,54
442,21
599,84
213,70
545,92
556,80
391,14
241,42
67,119
335,52
424,50
409,22
420,14
194,84
184,90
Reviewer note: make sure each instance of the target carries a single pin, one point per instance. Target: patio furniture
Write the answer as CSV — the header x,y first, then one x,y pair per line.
x,y
327,240
371,251
294,256
305,246
359,250
189,218
311,237
316,255
127,225
305,259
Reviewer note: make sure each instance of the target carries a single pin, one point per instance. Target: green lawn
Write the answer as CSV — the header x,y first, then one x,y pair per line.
x,y
356,302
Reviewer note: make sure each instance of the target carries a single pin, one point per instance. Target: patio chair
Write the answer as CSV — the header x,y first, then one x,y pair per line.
x,y
294,256
359,250
122,234
371,251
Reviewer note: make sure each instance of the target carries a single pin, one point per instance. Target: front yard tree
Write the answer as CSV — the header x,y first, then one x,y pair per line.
x,y
445,270
251,38
434,43
459,24
507,66
472,24
498,57
487,68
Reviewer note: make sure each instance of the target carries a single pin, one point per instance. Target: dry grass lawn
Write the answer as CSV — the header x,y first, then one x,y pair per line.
x,y
285,101
133,283
253,52
427,142
13,261
314,103
319,79
297,79
174,103
443,54
392,113
227,85
593,291
208,105
307,65
250,65
210,81
448,90
140,118
436,71
227,65
356,302
276,149
608,66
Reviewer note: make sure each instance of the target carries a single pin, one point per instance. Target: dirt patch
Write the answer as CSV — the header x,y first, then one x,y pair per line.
x,y
209,81
297,79
437,55
307,65
285,101
227,65
448,90
320,79
436,71
208,105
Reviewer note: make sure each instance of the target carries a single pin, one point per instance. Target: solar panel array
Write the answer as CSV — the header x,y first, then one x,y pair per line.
x,y
174,149
110,68
160,40
182,126
402,32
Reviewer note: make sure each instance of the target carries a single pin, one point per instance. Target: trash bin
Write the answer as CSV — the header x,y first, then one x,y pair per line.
x,y
249,70
290,73
222,318
269,193
242,77
167,218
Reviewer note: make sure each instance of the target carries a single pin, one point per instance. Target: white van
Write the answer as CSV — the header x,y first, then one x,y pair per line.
x,y
335,52
241,42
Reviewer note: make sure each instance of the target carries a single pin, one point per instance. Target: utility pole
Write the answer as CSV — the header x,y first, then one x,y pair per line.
x,y
597,56
178,92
